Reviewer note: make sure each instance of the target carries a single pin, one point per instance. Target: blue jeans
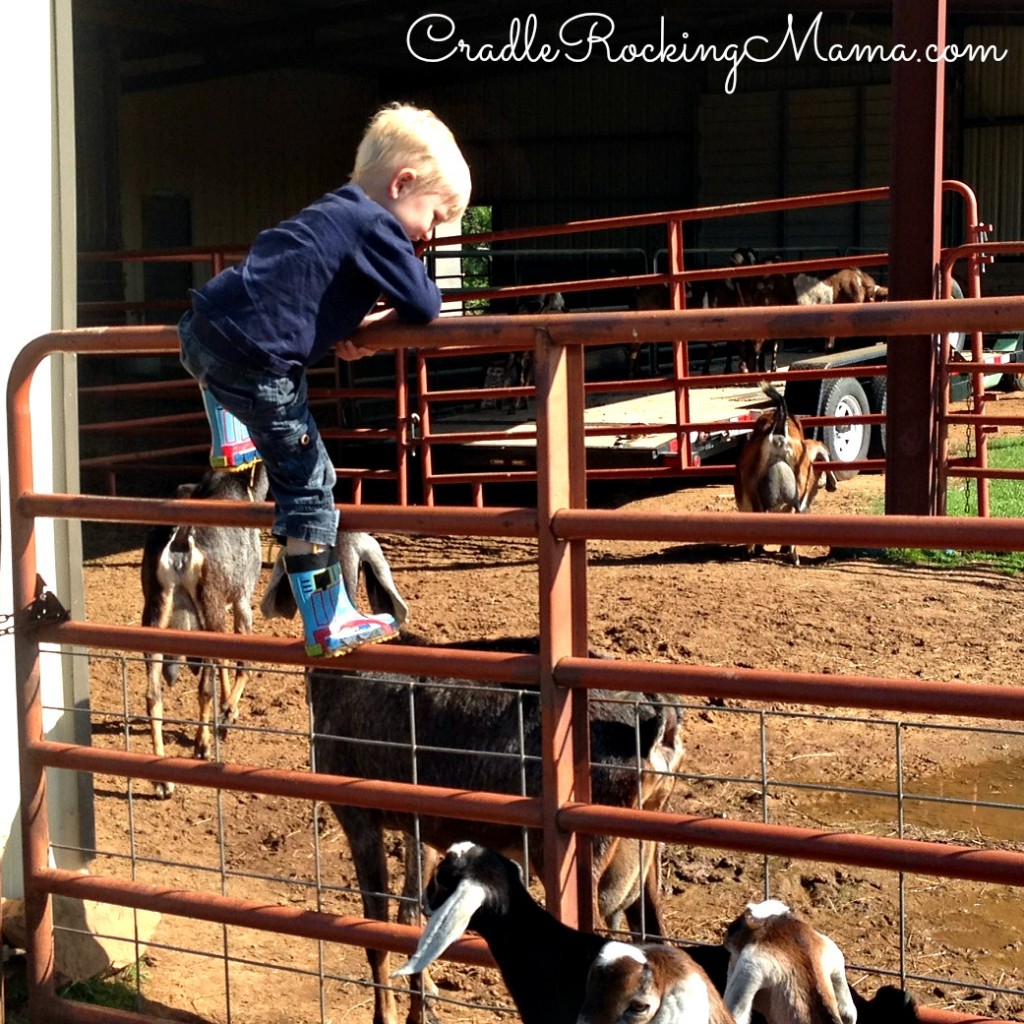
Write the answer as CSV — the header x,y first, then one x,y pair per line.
x,y
276,411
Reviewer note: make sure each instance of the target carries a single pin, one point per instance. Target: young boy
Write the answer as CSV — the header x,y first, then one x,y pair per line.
x,y
304,287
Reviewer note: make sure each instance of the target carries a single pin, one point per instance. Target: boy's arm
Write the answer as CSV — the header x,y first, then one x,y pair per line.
x,y
387,257
349,350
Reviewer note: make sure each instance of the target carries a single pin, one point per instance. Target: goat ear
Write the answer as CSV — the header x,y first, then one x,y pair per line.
x,y
447,923
278,600
361,551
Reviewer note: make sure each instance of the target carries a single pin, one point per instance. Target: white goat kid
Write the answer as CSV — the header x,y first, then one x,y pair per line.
x,y
785,970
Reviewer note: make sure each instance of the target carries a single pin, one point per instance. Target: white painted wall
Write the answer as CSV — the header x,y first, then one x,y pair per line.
x,y
37,267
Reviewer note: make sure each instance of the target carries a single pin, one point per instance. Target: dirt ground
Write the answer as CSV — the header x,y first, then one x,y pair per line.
x,y
695,604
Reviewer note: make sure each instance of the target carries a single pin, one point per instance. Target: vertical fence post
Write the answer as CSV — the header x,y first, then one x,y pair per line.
x,y
680,349
565,731
915,206
35,829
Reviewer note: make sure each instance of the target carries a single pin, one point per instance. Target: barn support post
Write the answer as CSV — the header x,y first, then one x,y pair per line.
x,y
915,238
562,598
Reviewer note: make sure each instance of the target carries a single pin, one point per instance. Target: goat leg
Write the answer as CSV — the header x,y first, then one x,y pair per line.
x,y
365,832
417,871
231,696
203,748
157,613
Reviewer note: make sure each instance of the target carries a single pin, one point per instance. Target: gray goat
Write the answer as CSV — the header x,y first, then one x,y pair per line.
x,y
191,576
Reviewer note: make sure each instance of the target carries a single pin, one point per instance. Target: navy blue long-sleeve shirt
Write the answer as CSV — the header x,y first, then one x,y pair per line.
x,y
307,284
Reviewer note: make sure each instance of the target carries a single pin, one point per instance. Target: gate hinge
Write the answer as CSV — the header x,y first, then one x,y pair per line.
x,y
46,608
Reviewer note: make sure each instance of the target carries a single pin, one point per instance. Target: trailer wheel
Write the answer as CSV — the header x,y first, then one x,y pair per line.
x,y
876,388
881,426
843,396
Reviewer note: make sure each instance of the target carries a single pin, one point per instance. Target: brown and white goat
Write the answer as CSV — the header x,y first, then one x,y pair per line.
x,y
785,970
649,984
191,576
777,468
849,285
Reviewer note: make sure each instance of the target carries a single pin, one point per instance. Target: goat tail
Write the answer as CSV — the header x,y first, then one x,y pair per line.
x,y
782,413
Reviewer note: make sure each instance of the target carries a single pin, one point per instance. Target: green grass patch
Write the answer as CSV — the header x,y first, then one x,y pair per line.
x,y
1006,501
117,990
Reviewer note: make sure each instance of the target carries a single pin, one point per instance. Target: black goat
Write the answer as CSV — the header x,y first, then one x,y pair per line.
x,y
191,576
364,727
543,962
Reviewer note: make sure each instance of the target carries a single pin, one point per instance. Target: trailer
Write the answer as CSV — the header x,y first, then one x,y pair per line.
x,y
625,430
861,393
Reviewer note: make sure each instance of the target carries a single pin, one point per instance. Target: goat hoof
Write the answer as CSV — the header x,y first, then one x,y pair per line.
x,y
163,790
201,752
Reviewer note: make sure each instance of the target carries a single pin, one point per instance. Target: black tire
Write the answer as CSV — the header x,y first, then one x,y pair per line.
x,y
876,388
843,396
1011,382
881,426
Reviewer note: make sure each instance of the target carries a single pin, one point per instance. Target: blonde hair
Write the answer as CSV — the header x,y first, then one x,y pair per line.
x,y
400,135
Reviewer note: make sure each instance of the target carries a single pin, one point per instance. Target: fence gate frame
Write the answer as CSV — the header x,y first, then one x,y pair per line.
x,y
562,526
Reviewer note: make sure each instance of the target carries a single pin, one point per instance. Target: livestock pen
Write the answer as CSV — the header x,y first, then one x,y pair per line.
x,y
561,526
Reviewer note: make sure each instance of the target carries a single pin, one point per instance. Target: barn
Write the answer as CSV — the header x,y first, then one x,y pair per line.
x,y
195,123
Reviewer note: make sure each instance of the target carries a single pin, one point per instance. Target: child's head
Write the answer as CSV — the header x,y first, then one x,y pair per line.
x,y
401,138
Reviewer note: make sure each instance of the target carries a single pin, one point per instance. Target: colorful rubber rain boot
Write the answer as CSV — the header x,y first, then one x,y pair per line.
x,y
232,447
332,625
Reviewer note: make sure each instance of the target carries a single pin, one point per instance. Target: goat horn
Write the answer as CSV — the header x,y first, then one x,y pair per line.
x,y
448,923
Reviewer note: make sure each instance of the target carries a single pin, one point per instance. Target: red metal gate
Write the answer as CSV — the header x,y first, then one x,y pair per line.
x,y
562,526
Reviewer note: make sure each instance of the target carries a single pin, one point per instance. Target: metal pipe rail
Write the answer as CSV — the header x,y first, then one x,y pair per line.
x,y
561,527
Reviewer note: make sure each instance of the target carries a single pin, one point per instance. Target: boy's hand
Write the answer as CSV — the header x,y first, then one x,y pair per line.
x,y
350,351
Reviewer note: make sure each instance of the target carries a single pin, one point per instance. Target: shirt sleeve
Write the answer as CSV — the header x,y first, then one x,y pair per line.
x,y
388,258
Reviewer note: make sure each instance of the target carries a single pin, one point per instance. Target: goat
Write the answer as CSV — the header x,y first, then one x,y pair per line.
x,y
649,984
889,1004
647,297
779,964
543,962
191,575
776,469
519,369
364,728
729,292
851,284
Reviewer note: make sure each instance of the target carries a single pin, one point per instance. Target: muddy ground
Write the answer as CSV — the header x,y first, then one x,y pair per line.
x,y
694,604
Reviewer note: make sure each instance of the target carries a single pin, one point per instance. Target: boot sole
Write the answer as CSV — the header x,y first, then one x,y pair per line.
x,y
319,652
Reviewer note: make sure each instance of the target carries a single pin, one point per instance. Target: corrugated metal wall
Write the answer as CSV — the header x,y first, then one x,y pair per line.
x,y
550,144
558,144
246,151
994,129
793,142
